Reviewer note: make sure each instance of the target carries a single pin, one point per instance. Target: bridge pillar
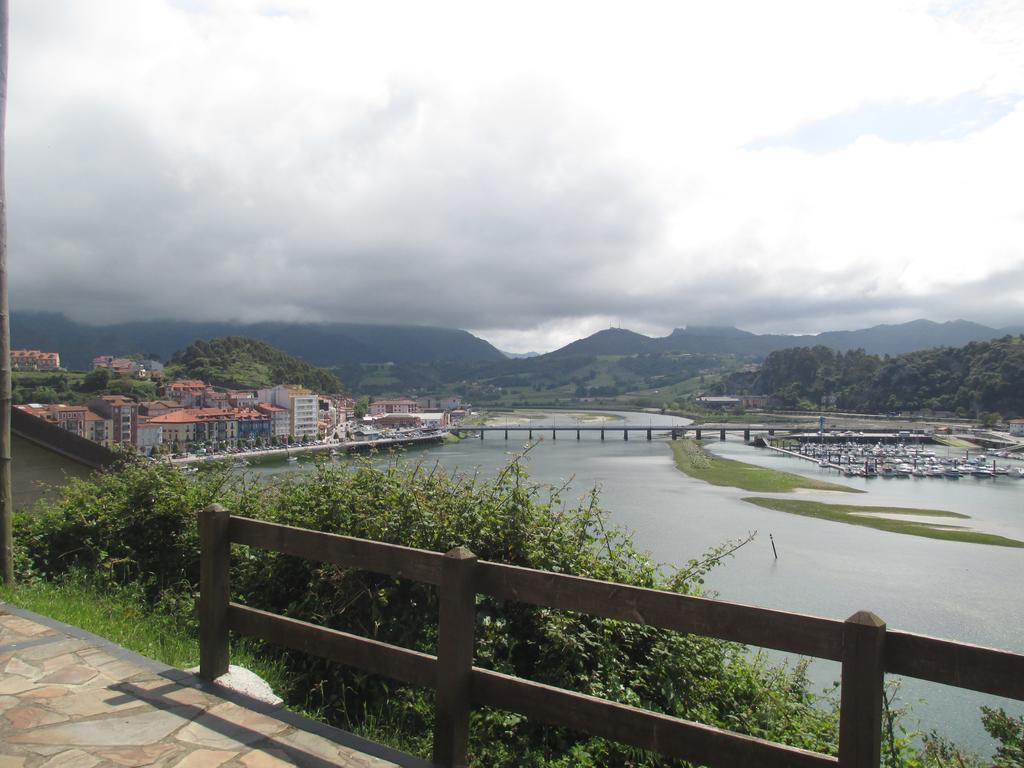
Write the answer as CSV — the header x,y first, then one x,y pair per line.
x,y
602,434
673,434
721,434
625,433
577,433
698,433
554,433
746,434
771,433
481,433
531,434
648,434
506,434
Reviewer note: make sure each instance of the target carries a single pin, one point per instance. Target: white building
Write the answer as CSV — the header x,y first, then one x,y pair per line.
x,y
148,437
302,406
1016,427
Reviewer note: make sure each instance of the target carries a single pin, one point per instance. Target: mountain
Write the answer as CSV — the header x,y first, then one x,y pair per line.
x,y
322,344
520,355
242,363
611,341
878,340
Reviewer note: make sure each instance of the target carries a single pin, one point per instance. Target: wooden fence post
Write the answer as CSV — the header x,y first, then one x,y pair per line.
x,y
863,678
214,591
457,623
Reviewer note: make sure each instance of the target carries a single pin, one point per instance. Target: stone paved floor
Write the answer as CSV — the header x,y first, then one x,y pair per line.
x,y
72,700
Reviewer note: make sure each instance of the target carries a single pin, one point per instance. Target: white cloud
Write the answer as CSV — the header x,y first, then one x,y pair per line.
x,y
531,171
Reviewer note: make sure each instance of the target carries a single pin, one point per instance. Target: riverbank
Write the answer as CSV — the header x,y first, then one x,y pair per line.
x,y
351,446
693,460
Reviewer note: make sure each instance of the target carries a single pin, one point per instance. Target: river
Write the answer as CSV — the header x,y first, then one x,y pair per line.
x,y
967,592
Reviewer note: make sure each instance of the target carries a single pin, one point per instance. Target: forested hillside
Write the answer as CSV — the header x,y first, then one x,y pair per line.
x,y
236,361
978,378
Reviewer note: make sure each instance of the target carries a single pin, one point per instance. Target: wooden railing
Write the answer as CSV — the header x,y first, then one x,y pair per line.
x,y
862,644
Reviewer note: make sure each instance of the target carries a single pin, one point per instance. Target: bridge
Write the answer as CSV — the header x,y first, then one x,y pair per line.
x,y
648,431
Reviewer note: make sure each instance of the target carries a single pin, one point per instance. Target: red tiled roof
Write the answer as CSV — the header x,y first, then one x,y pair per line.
x,y
190,415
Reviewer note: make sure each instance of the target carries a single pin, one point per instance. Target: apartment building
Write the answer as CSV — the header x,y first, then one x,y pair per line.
x,y
302,406
198,425
123,413
401,405
280,419
34,360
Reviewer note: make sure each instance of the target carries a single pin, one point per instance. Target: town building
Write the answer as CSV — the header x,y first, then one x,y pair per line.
x,y
434,420
34,360
148,436
1016,427
401,405
301,404
191,426
187,392
253,426
396,421
158,407
242,398
98,429
68,417
119,366
280,419
123,412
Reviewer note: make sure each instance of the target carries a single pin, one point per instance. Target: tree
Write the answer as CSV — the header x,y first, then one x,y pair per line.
x,y
362,407
96,381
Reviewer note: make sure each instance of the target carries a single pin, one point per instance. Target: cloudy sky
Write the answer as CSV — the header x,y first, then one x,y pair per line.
x,y
532,172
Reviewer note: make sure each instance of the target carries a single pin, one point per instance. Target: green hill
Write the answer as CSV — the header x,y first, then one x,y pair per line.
x,y
243,363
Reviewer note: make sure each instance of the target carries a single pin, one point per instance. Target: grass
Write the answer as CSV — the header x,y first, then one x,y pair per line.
x,y
693,460
954,442
868,517
121,615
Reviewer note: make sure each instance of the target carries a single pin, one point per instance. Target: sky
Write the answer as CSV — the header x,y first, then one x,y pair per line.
x,y
532,172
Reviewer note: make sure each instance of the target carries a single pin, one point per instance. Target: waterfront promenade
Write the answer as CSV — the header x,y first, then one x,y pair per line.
x,y
69,699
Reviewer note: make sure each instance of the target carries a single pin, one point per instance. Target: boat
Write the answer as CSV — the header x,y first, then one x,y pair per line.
x,y
292,459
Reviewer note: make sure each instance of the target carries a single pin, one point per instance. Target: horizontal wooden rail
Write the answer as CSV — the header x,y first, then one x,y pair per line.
x,y
793,632
962,665
648,730
361,652
862,643
391,559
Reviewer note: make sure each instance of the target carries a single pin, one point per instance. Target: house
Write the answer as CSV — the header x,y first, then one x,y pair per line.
x,y
34,360
119,366
1016,427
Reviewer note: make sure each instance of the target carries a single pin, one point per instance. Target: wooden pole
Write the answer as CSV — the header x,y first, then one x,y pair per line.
x,y
6,501
456,626
214,591
861,688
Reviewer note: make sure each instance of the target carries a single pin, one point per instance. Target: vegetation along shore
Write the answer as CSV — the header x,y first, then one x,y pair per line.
x,y
693,460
